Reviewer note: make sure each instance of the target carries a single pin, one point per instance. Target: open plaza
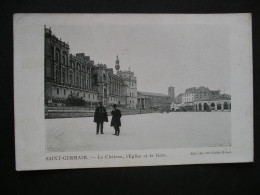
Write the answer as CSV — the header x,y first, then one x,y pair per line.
x,y
145,131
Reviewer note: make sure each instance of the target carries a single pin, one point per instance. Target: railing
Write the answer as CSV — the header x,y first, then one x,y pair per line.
x,y
76,108
72,112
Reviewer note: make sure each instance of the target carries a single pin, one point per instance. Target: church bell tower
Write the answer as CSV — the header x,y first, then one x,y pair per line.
x,y
171,93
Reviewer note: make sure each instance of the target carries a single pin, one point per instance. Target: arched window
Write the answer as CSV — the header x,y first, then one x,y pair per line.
x,y
72,64
225,106
206,106
57,56
219,106
64,58
78,66
212,106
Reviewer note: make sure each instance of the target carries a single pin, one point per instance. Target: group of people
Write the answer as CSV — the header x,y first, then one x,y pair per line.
x,y
101,116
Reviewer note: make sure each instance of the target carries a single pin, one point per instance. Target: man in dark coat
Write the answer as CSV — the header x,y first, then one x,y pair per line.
x,y
116,122
100,116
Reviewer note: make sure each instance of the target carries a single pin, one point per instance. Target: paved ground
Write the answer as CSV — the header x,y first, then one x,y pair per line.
x,y
146,131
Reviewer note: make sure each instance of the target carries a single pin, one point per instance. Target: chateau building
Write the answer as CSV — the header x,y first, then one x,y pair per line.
x,y
78,75
66,74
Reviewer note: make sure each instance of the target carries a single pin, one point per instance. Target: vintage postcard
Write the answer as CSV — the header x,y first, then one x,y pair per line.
x,y
115,90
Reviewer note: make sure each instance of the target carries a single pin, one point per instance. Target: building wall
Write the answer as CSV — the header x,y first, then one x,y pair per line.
x,y
153,101
129,85
67,74
196,94
62,92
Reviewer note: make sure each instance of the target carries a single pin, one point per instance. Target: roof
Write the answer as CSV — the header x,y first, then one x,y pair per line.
x,y
152,94
222,97
219,97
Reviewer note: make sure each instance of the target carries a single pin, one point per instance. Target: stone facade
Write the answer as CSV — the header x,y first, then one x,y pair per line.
x,y
78,75
129,88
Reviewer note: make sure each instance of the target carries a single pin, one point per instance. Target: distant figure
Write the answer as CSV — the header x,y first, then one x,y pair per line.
x,y
116,122
100,116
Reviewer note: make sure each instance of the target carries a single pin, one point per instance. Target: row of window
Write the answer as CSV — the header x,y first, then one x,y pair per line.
x,y
70,81
132,94
72,64
131,84
64,57
113,99
132,102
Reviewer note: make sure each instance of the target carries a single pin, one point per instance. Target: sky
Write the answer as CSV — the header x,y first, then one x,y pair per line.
x,y
178,55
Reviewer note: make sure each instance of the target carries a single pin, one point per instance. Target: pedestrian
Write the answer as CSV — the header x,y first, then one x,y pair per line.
x,y
100,117
116,122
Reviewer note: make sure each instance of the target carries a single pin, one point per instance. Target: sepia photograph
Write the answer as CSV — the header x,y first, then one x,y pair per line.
x,y
112,90
154,86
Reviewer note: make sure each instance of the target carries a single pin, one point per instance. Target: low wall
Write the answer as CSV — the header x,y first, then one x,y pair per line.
x,y
84,112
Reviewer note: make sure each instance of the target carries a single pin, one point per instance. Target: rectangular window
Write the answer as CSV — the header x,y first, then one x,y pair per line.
x,y
57,90
64,91
93,96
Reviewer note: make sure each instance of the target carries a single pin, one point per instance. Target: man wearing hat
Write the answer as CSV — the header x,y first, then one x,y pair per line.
x,y
100,116
116,122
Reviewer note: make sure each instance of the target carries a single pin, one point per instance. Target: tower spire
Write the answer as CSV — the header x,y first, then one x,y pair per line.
x,y
117,66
